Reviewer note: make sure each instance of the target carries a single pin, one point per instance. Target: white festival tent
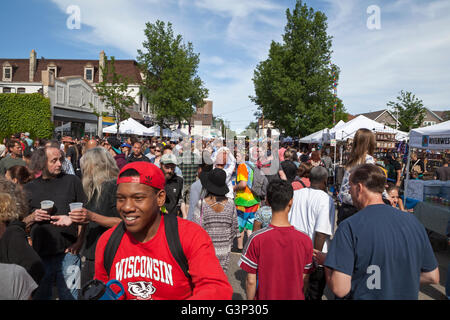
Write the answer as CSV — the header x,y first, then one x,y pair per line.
x,y
177,134
129,126
318,136
155,131
435,137
349,129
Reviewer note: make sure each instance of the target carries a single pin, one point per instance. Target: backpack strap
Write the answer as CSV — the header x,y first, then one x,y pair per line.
x,y
173,240
303,184
112,245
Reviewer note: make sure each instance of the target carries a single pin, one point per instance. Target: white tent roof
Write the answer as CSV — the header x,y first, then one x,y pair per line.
x,y
432,137
318,137
315,137
348,130
155,131
129,126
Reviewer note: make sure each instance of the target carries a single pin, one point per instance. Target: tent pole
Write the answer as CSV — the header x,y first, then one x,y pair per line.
x,y
407,171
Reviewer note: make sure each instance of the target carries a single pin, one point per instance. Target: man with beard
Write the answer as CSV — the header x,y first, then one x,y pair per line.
x,y
14,158
137,154
58,247
174,186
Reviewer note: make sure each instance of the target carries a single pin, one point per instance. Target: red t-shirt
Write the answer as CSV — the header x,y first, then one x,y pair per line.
x,y
149,271
279,256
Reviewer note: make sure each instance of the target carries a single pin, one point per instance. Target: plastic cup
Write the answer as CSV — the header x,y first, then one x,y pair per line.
x,y
47,205
75,205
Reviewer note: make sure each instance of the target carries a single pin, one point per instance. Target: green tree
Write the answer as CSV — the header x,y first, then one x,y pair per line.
x,y
113,91
410,110
293,86
30,112
170,83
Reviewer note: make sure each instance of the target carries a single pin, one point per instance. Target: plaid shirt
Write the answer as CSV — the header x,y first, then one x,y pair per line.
x,y
189,167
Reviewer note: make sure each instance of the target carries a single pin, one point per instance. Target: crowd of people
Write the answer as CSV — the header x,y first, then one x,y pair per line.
x,y
162,217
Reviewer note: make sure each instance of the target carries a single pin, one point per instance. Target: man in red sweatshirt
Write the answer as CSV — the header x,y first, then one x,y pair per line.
x,y
143,262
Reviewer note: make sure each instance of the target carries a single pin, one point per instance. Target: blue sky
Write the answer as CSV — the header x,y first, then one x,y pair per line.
x,y
409,52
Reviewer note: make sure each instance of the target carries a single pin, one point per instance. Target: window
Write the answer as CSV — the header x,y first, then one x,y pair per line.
x,y
89,74
20,90
6,90
52,69
7,73
429,123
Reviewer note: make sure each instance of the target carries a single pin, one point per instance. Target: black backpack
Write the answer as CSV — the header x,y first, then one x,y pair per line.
x,y
173,240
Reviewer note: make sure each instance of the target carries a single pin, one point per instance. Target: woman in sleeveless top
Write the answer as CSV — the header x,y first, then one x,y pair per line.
x,y
217,214
363,148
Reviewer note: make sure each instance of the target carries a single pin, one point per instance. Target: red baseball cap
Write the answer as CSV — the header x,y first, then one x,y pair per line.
x,y
149,174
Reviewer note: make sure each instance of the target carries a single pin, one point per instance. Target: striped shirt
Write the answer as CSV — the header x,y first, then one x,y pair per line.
x,y
279,256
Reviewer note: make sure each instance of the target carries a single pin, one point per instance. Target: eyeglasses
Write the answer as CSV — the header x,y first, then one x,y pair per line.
x,y
158,150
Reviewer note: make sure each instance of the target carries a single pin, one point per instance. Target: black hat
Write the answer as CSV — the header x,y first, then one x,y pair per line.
x,y
290,169
215,181
115,144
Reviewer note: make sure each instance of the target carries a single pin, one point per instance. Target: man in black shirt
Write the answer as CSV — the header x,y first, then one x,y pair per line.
x,y
394,169
58,247
137,154
174,186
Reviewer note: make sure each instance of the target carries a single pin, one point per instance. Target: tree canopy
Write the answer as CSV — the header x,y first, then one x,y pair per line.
x,y
170,83
294,85
410,110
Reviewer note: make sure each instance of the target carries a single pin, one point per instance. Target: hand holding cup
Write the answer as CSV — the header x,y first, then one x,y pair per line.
x,y
43,214
78,214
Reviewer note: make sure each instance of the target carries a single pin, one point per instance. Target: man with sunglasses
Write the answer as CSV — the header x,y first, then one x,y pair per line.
x,y
151,155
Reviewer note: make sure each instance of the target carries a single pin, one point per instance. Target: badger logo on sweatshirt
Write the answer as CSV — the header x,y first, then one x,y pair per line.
x,y
141,289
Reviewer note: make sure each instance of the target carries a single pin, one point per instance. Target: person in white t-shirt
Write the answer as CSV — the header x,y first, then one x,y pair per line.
x,y
313,212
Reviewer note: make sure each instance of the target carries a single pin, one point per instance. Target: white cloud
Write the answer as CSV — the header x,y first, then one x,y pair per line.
x,y
408,53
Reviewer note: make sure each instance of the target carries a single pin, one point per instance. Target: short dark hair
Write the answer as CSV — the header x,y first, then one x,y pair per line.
x,y
12,143
279,193
370,176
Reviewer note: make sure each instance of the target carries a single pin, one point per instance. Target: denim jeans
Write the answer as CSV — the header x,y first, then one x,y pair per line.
x,y
62,270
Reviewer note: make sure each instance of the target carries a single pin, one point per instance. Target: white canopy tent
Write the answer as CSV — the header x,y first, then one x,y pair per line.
x,y
129,126
178,134
348,130
155,131
435,137
319,136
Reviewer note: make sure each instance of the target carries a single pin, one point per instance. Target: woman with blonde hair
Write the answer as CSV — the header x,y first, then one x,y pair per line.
x,y
99,171
363,148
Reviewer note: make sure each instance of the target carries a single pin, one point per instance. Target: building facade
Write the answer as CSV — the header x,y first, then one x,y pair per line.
x,y
389,118
70,86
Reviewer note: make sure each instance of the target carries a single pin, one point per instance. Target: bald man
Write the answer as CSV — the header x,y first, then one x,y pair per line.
x,y
91,144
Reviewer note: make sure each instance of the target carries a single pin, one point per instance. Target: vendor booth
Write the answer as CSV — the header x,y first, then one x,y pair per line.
x,y
129,126
433,196
155,131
